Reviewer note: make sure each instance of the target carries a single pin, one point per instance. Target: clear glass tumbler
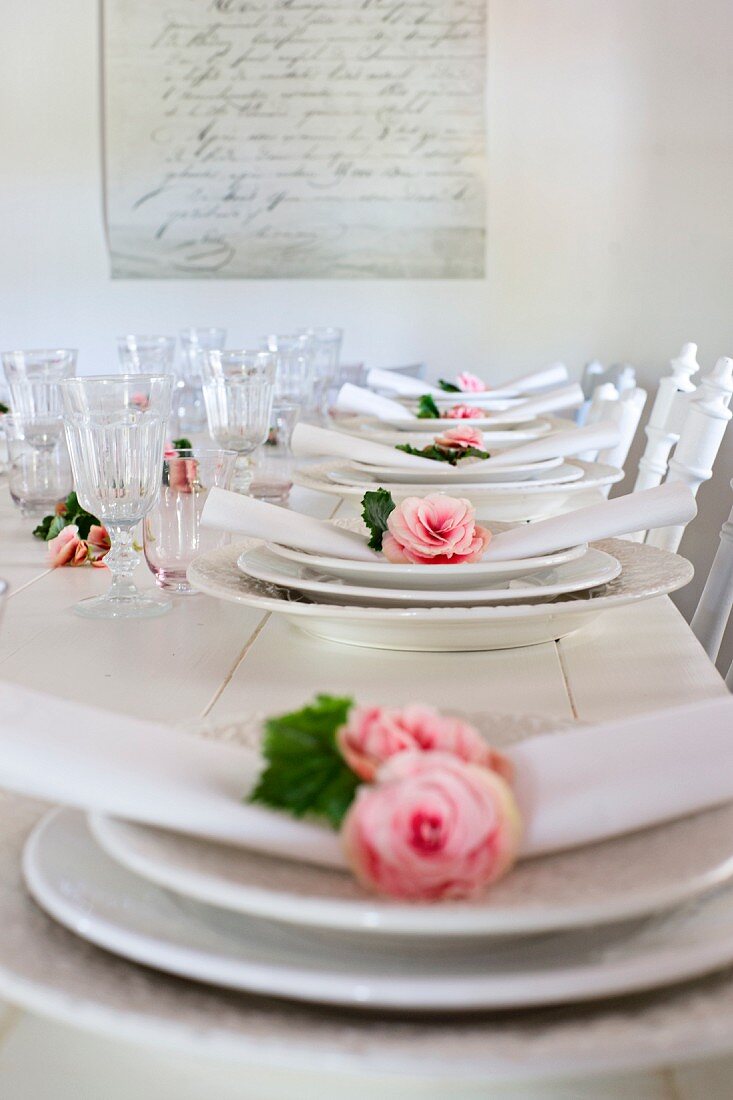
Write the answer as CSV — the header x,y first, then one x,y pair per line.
x,y
146,354
33,380
238,391
38,477
189,398
172,532
326,349
115,429
294,375
274,461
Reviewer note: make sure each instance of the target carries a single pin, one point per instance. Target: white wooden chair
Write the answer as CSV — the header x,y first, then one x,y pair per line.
x,y
705,421
716,602
621,409
666,417
621,376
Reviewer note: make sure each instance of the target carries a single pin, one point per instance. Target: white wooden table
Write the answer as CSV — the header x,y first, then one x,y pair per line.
x,y
207,657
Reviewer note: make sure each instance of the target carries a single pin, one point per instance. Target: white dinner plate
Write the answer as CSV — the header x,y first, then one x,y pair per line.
x,y
549,472
510,503
439,424
620,879
385,574
385,432
83,889
646,572
593,569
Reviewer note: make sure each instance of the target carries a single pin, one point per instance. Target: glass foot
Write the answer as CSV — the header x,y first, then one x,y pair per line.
x,y
139,606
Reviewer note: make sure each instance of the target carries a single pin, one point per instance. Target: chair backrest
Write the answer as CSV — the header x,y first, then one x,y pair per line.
x,y
716,602
621,409
621,376
660,431
705,422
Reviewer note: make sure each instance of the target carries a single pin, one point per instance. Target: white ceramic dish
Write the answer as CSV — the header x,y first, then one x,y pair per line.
x,y
438,424
551,472
49,971
593,569
646,572
512,503
620,879
498,435
73,880
386,575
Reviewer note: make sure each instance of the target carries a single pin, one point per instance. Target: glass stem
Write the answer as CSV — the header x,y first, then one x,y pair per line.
x,y
242,475
122,561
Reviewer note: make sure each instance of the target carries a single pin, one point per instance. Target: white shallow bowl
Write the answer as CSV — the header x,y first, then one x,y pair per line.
x,y
550,472
386,575
593,569
508,503
646,572
73,880
619,879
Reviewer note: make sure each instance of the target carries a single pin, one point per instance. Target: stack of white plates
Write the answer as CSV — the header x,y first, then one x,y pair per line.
x,y
625,915
472,606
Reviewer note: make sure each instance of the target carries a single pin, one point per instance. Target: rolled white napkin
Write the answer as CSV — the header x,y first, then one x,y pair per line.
x,y
556,445
355,399
227,511
573,788
309,441
662,506
567,397
554,374
402,384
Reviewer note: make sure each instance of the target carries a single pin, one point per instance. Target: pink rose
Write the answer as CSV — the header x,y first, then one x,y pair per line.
x,y
374,734
460,437
67,548
434,530
432,827
182,473
470,383
465,412
98,543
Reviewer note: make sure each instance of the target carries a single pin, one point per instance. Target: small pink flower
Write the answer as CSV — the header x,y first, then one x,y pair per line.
x,y
465,412
460,437
470,383
98,543
374,734
432,827
182,473
67,548
434,530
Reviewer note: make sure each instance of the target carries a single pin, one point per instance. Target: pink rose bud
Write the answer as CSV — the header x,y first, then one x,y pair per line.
x,y
98,542
464,412
374,734
460,437
470,383
432,827
434,530
67,548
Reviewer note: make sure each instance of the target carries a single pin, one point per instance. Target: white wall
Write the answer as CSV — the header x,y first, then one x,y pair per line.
x,y
610,227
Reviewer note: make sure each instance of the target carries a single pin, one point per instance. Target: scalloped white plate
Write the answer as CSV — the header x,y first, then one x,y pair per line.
x,y
80,887
550,472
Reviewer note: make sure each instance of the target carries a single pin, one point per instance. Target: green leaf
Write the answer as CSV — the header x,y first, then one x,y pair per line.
x,y
427,409
305,772
73,507
56,526
41,531
3,408
182,444
376,508
451,455
449,387
84,521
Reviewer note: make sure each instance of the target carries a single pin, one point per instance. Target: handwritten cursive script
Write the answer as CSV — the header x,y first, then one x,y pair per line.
x,y
295,138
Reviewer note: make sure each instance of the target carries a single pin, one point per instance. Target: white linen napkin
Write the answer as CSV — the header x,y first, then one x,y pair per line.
x,y
671,503
402,384
573,788
554,445
308,441
554,374
567,397
227,511
355,399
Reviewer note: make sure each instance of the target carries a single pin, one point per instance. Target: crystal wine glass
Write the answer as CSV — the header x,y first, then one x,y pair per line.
x,y
189,400
146,354
294,377
238,390
115,429
326,349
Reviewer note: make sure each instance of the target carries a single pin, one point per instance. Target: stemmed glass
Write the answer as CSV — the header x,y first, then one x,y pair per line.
x,y
189,401
115,430
238,391
146,354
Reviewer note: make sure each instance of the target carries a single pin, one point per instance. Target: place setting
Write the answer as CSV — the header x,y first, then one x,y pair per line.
x,y
224,856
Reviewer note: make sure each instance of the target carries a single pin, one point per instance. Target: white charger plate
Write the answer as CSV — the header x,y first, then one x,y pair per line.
x,y
620,879
646,572
80,887
593,569
550,472
386,575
